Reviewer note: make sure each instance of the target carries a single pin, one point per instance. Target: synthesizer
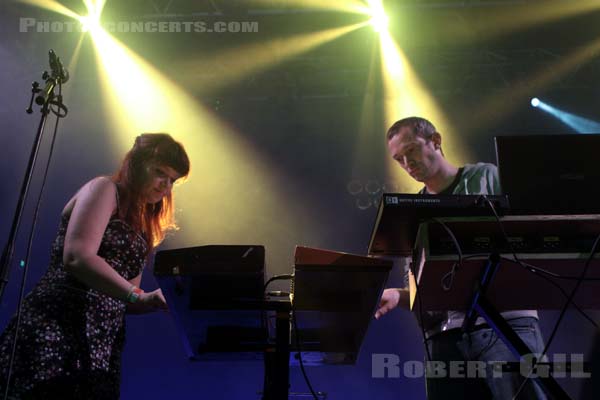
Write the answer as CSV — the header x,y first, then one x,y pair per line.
x,y
399,216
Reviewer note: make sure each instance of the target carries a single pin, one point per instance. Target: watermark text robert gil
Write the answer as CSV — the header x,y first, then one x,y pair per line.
x,y
390,366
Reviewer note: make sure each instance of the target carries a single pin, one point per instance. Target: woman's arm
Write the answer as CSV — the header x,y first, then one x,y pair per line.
x,y
94,205
91,212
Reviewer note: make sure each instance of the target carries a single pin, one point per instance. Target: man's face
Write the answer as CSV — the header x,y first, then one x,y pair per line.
x,y
417,155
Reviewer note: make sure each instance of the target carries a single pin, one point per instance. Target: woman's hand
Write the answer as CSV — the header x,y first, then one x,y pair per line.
x,y
148,302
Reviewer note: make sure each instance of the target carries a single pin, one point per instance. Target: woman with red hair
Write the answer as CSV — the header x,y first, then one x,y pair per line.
x,y
71,330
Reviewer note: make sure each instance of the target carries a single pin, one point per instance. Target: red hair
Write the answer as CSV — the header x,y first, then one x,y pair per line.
x,y
151,220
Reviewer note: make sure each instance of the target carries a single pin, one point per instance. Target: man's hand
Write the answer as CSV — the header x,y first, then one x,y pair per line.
x,y
389,300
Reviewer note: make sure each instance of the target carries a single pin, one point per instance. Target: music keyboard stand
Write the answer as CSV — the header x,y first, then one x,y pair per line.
x,y
559,243
481,306
342,289
277,356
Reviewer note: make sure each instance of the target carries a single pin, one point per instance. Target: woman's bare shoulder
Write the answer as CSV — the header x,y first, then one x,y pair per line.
x,y
98,186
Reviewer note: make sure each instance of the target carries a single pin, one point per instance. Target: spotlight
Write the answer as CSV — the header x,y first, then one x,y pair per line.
x,y
89,24
535,102
379,20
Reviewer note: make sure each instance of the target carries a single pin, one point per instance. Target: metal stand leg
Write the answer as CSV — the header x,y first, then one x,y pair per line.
x,y
277,361
516,345
481,306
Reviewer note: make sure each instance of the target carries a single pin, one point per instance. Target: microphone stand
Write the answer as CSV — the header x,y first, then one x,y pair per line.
x,y
56,78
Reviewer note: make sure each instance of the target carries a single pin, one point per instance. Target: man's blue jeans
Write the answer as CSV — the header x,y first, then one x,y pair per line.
x,y
472,355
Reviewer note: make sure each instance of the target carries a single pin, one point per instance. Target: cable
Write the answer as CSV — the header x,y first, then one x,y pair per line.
x,y
542,271
534,269
563,292
446,281
264,320
28,255
524,264
59,104
448,278
501,225
543,274
565,306
562,313
299,350
276,278
423,333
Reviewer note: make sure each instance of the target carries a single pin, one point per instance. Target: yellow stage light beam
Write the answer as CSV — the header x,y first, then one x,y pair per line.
x,y
233,196
379,19
72,67
367,148
349,6
91,22
51,5
518,94
59,8
134,90
519,16
234,65
95,7
404,96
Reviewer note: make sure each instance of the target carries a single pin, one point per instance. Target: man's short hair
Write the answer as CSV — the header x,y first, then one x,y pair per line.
x,y
419,126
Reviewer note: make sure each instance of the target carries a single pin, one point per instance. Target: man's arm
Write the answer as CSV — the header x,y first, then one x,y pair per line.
x,y
394,297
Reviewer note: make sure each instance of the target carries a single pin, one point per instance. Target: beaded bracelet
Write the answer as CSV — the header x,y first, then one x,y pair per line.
x,y
134,294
